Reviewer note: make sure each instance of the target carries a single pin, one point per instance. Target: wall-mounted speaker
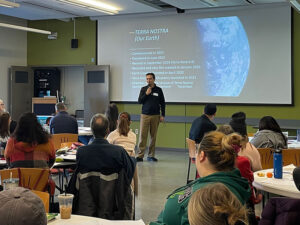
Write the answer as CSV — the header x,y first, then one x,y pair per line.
x,y
74,43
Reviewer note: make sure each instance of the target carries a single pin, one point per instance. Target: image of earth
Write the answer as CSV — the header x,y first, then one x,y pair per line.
x,y
227,55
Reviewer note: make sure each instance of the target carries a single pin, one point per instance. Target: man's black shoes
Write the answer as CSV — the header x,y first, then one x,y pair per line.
x,y
152,159
138,159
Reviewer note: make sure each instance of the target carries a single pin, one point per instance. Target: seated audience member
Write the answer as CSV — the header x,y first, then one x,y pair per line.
x,y
4,128
63,122
242,162
30,145
269,134
203,124
13,124
20,206
102,156
98,192
112,114
238,124
215,204
2,106
123,136
281,211
215,162
48,121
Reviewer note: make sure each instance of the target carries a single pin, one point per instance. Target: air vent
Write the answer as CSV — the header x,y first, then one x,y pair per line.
x,y
156,4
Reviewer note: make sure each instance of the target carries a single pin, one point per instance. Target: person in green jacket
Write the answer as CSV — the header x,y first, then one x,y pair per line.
x,y
215,163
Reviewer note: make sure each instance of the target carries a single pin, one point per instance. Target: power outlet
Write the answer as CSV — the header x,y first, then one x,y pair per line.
x,y
136,131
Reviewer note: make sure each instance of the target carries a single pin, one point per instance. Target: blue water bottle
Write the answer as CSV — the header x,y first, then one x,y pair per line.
x,y
277,162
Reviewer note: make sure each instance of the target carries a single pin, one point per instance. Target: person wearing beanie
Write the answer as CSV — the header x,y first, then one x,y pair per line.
x,y
238,124
203,124
20,206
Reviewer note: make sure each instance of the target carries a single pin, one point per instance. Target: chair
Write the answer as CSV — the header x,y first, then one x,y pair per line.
x,y
250,134
63,138
192,154
107,196
192,147
45,198
266,157
31,178
291,156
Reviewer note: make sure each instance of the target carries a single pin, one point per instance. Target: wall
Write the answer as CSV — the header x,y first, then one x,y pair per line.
x,y
42,51
13,52
171,135
72,79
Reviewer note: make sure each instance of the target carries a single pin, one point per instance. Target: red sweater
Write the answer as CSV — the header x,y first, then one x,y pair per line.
x,y
21,154
243,164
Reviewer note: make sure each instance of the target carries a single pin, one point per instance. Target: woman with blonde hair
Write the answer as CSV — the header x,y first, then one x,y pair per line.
x,y
215,163
215,204
123,135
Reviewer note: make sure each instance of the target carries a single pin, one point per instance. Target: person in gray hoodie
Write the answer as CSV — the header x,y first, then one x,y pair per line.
x,y
269,135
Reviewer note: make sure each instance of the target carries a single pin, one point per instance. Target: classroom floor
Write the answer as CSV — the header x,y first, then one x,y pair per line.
x,y
158,179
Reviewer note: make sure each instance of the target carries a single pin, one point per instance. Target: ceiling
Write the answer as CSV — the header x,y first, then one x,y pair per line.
x,y
53,9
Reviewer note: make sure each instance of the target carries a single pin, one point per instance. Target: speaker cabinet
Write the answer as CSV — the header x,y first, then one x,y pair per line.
x,y
74,43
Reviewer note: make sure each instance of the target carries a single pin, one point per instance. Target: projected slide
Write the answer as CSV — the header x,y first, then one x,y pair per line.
x,y
223,57
226,55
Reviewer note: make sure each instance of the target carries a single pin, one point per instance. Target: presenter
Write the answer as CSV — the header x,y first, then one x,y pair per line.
x,y
153,112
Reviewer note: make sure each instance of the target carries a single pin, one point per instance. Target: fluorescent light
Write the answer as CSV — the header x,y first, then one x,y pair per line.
x,y
24,28
9,4
93,5
295,5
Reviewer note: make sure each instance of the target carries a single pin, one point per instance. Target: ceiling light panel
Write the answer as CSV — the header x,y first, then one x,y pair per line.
x,y
9,4
93,5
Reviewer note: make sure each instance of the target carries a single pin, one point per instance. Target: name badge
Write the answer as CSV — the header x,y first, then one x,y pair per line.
x,y
155,94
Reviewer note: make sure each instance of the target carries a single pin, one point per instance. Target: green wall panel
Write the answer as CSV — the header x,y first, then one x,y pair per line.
x,y
42,51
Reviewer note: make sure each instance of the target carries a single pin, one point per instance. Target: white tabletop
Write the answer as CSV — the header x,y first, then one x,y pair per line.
x,y
2,162
293,144
284,187
84,131
86,220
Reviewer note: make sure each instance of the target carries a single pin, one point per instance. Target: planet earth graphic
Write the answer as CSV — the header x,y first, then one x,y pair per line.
x,y
227,55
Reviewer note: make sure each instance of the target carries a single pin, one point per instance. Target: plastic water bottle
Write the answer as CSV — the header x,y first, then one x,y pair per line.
x,y
277,162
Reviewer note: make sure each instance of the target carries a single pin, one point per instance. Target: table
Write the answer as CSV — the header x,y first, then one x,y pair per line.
x,y
64,165
293,144
84,134
86,220
3,164
84,131
284,187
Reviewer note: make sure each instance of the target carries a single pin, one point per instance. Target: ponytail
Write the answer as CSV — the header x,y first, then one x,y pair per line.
x,y
124,123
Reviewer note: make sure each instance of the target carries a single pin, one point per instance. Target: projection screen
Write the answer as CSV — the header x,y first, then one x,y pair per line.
x,y
231,56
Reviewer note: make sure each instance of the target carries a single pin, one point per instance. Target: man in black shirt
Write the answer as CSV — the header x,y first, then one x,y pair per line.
x,y
153,100
63,122
203,124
